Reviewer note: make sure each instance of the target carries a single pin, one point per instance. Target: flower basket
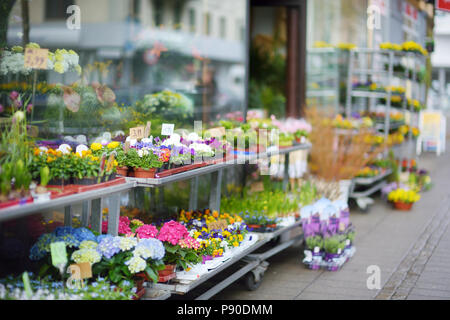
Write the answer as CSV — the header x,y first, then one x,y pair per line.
x,y
144,173
402,206
122,171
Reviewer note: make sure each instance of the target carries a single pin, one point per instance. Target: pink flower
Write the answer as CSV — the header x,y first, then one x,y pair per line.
x,y
14,95
189,242
29,108
147,231
172,232
1,108
124,225
104,226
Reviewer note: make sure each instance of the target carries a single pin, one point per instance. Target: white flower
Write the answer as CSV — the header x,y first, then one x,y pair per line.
x,y
193,137
174,140
65,148
147,140
43,149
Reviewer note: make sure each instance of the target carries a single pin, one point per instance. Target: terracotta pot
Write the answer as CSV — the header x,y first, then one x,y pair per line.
x,y
273,226
122,171
144,173
403,206
254,226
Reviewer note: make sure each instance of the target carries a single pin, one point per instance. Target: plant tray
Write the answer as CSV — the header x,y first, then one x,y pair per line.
x,y
170,172
167,277
11,203
60,191
101,185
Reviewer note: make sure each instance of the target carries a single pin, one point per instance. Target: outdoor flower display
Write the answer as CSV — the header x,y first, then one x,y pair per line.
x,y
117,258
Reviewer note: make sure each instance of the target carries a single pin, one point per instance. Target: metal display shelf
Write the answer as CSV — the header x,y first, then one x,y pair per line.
x,y
371,180
253,263
368,94
91,201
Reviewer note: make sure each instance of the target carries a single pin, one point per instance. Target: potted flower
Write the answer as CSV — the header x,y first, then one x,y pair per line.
x,y
403,199
334,247
315,245
122,168
40,194
179,246
143,161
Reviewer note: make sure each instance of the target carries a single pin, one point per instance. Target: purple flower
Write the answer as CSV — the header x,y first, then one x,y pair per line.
x,y
18,104
14,95
192,151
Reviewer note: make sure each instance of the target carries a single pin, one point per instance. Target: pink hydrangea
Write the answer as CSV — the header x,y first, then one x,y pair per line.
x,y
147,231
189,242
124,225
172,232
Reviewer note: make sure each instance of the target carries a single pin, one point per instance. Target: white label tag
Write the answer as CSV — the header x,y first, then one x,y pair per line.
x,y
339,251
316,250
167,129
347,242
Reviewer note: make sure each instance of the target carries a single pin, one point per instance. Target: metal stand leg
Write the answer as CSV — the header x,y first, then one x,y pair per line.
x,y
85,213
216,186
286,172
114,215
68,216
193,196
96,215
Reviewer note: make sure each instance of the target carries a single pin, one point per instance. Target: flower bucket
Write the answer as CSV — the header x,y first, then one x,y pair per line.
x,y
403,206
122,171
144,173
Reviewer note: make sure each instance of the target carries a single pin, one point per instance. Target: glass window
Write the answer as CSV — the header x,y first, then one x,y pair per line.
x,y
192,21
207,24
128,68
223,27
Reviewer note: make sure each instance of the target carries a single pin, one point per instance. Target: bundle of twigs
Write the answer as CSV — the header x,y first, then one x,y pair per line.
x,y
336,156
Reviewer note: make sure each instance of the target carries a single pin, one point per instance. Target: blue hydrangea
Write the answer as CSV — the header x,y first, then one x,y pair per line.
x,y
62,231
109,246
83,234
69,239
150,248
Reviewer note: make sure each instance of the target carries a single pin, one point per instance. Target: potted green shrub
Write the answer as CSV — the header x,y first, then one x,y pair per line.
x,y
144,162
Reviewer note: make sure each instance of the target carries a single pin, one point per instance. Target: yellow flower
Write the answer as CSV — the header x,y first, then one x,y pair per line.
x,y
59,67
96,146
113,144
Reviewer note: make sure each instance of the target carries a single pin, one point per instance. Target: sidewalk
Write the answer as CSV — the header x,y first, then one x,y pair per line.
x,y
410,248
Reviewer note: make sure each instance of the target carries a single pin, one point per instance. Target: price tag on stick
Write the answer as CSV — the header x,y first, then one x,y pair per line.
x,y
59,253
167,129
35,58
147,129
137,132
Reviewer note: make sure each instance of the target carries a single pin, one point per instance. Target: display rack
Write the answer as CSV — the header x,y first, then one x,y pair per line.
x,y
255,265
92,204
323,71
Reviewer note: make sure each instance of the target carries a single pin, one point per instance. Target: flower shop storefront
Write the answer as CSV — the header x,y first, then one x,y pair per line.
x,y
132,169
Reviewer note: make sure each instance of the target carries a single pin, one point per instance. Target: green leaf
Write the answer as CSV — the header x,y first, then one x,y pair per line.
x,y
151,274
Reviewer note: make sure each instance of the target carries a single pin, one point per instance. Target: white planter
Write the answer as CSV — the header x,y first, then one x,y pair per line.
x,y
40,197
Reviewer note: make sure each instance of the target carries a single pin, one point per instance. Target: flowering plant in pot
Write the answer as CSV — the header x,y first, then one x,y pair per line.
x,y
179,245
334,246
403,199
143,161
315,244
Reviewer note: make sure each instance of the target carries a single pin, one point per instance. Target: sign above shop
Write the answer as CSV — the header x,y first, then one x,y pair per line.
x,y
443,5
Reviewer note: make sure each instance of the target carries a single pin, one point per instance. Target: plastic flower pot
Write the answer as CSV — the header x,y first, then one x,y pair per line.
x,y
271,226
58,182
255,227
144,173
122,171
402,206
331,256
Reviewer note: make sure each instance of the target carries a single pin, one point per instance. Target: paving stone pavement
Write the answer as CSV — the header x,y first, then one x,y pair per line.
x,y
410,248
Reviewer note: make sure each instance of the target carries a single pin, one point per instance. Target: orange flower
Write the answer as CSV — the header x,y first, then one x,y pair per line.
x,y
50,159
37,151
